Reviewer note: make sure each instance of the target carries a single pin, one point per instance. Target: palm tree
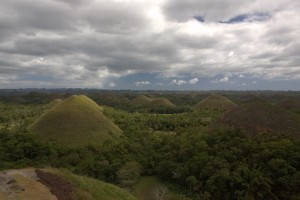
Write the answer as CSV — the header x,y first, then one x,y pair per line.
x,y
253,184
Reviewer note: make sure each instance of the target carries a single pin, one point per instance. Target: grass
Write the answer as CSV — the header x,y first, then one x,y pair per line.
x,y
162,102
143,100
23,186
54,102
216,102
261,118
76,121
85,188
31,187
92,189
289,104
145,187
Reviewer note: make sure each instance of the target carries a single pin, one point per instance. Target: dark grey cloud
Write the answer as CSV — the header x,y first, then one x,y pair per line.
x,y
89,43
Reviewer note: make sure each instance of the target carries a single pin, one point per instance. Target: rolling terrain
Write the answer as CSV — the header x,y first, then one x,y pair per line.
x,y
216,102
76,121
247,152
259,117
53,184
143,100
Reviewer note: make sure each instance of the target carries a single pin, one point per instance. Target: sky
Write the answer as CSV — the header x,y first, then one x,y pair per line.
x,y
157,44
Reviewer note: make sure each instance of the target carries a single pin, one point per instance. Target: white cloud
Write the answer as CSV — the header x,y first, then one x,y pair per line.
x,y
178,82
231,53
142,83
87,43
193,81
241,76
224,79
111,84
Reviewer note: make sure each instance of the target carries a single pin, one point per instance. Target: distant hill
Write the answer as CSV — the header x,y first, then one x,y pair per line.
x,y
216,102
53,184
289,104
143,100
75,121
54,102
261,117
162,102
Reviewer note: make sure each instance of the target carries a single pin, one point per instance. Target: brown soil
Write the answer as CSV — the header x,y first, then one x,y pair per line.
x,y
62,189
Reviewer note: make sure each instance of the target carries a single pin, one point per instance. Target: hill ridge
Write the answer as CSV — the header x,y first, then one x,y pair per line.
x,y
143,100
259,117
77,120
216,102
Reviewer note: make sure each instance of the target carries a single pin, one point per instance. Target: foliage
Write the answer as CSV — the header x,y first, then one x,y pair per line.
x,y
216,102
91,189
179,149
76,121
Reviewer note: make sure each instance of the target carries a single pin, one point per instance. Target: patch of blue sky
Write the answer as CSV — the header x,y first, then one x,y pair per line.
x,y
199,18
248,18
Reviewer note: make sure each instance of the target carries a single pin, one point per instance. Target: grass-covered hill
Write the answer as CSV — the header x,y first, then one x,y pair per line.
x,y
260,117
162,102
53,184
289,104
76,121
216,102
54,102
143,100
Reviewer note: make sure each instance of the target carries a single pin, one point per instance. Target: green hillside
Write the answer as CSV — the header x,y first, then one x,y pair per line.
x,y
216,102
259,117
54,102
143,100
92,189
289,104
54,184
76,121
162,102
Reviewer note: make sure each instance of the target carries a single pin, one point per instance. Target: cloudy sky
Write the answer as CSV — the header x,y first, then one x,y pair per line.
x,y
157,44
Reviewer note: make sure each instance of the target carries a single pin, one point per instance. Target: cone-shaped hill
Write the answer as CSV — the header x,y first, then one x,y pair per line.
x,y
216,102
75,121
54,102
260,117
289,104
162,102
143,100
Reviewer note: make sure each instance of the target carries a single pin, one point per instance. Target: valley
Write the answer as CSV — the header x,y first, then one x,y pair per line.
x,y
189,145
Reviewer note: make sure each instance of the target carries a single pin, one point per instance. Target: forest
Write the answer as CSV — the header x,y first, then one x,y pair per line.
x,y
192,156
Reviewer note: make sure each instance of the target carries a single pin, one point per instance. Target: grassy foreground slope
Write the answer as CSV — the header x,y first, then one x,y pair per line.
x,y
76,121
216,102
92,189
54,184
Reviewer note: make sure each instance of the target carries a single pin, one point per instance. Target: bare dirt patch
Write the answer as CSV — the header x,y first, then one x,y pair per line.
x,y
62,189
22,185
